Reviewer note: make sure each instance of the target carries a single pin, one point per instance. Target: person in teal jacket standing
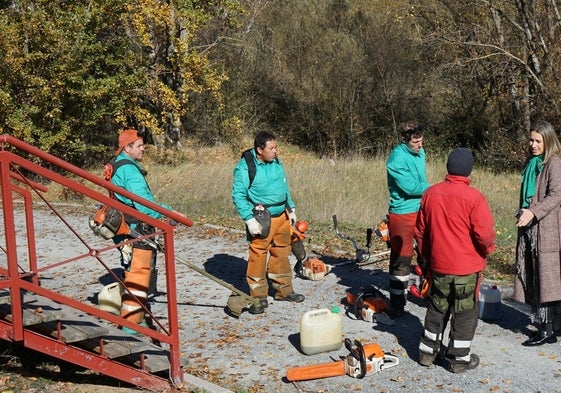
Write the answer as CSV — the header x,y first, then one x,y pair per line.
x,y
407,181
137,258
269,240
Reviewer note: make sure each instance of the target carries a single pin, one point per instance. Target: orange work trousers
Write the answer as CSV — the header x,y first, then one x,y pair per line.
x,y
137,280
268,258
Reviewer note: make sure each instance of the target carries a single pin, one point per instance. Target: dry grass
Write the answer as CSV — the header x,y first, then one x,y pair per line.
x,y
197,181
353,189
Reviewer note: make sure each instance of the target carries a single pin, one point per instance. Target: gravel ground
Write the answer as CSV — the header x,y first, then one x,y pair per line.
x,y
254,351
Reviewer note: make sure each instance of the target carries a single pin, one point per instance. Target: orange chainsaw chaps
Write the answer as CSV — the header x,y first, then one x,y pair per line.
x,y
316,371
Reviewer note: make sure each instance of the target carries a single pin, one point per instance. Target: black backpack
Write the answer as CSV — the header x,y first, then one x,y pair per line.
x,y
251,169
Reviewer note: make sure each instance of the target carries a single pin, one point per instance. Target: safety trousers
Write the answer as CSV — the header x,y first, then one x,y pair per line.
x,y
454,296
269,258
137,280
402,229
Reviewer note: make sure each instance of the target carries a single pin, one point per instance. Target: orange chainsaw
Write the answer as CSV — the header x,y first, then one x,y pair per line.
x,y
311,268
369,304
297,237
361,361
425,281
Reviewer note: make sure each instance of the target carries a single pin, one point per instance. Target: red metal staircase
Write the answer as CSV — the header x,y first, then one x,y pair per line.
x,y
62,323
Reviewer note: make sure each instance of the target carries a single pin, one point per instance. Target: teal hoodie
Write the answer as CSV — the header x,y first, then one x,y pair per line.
x,y
269,187
131,178
407,179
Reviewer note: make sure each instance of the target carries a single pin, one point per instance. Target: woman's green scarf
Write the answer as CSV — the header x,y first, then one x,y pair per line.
x,y
529,180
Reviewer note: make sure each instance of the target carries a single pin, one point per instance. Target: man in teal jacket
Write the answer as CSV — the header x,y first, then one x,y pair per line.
x,y
138,258
407,180
270,247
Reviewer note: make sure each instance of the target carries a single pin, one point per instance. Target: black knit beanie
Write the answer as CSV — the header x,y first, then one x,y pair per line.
x,y
460,162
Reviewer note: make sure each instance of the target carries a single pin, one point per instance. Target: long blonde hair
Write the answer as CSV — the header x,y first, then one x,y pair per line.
x,y
551,143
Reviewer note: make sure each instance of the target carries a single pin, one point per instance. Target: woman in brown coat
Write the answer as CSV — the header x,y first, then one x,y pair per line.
x,y
538,255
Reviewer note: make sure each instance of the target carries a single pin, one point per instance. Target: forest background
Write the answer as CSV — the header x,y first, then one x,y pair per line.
x,y
331,78
334,77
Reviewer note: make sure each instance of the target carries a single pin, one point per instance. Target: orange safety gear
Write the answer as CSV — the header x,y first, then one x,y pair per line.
x,y
278,269
137,280
126,138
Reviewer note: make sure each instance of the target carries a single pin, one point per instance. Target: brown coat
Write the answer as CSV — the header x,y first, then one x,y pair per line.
x,y
546,208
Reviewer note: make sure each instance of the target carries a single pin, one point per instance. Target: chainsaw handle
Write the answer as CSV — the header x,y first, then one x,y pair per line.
x,y
358,354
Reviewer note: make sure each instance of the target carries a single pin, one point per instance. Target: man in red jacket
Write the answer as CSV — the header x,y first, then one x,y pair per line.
x,y
455,234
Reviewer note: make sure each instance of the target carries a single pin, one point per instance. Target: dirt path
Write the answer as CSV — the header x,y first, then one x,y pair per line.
x,y
254,351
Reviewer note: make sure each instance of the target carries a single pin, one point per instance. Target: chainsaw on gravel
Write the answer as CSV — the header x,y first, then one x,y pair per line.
x,y
369,304
309,268
361,361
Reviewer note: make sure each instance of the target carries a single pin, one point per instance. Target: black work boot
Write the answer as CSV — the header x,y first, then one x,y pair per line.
x,y
426,359
457,366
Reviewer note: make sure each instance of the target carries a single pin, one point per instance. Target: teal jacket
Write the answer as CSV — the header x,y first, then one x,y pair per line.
x,y
407,179
269,188
132,179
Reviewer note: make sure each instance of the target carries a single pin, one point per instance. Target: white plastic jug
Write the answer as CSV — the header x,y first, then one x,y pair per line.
x,y
109,299
321,330
489,302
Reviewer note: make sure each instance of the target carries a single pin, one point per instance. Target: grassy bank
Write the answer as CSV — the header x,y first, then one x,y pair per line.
x,y
199,180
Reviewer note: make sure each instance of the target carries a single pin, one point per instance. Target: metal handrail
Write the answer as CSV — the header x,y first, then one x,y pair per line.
x,y
12,166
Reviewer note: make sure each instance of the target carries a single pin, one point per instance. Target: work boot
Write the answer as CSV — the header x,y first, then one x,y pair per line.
x,y
292,297
457,366
426,359
263,301
257,308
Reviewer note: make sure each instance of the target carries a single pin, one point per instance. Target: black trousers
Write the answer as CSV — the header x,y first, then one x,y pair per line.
x,y
455,297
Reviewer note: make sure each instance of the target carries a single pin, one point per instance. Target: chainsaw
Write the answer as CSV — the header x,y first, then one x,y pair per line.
x,y
370,305
422,291
361,361
310,268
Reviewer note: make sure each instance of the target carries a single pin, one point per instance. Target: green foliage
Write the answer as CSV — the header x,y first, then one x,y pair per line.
x,y
75,73
332,76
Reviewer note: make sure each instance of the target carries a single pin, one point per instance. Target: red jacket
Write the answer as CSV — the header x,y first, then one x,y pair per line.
x,y
455,227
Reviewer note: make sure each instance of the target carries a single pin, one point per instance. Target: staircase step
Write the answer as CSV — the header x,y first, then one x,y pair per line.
x,y
82,328
87,332
32,314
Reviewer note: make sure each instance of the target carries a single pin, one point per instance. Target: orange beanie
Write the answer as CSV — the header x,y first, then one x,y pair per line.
x,y
126,138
